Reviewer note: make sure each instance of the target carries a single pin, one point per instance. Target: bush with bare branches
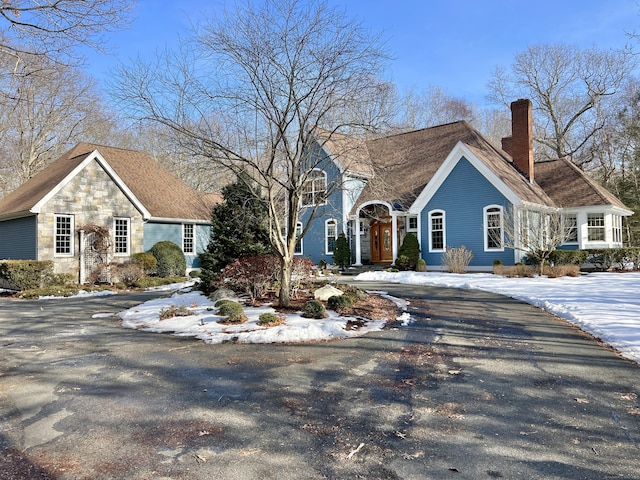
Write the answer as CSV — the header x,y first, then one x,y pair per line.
x,y
457,259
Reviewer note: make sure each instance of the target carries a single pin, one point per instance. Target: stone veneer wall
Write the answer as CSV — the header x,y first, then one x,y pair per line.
x,y
92,197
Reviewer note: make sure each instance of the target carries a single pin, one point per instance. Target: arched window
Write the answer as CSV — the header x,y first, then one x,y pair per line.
x,y
437,231
493,228
330,235
314,189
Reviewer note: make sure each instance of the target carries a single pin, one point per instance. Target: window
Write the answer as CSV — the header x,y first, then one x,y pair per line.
x,y
617,229
570,228
298,250
188,239
63,235
493,228
595,227
121,236
436,231
412,224
314,189
330,235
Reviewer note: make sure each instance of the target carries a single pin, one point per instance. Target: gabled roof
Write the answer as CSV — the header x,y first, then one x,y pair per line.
x,y
349,153
407,162
152,188
570,187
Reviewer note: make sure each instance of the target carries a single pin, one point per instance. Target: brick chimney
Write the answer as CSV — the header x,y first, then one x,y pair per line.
x,y
520,144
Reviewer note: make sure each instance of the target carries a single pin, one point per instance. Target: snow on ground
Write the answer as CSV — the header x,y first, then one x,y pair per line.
x,y
607,305
203,323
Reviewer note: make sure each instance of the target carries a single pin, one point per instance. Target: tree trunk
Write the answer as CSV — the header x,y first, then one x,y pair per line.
x,y
285,282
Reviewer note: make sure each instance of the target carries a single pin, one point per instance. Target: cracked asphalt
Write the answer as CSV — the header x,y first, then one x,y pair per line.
x,y
478,386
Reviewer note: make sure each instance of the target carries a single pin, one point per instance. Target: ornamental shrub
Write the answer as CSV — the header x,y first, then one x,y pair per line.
x,y
339,302
457,259
171,261
233,311
146,261
342,252
26,274
410,249
313,309
270,319
251,275
421,266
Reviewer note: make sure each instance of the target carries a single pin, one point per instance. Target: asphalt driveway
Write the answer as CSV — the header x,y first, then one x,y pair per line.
x,y
479,386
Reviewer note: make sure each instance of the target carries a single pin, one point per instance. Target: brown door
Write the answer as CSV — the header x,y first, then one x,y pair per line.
x,y
381,243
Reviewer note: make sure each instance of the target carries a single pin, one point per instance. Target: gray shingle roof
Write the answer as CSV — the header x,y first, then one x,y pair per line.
x,y
161,193
406,163
569,186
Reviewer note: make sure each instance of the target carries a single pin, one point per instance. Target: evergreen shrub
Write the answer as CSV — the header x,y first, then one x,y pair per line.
x,y
170,258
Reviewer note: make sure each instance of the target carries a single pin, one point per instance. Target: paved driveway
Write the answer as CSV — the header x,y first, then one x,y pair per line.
x,y
479,386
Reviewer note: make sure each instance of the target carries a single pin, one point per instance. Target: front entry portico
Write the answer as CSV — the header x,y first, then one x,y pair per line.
x,y
375,234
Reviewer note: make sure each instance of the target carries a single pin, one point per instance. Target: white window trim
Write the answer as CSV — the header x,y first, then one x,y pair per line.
x,y
72,234
128,252
485,213
577,228
444,231
412,229
300,239
602,228
326,235
193,239
313,192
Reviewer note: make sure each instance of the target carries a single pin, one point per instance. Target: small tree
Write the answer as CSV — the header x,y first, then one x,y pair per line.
x,y
342,252
239,226
536,231
409,251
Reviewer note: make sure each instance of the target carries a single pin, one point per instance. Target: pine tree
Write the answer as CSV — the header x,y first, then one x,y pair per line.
x,y
238,229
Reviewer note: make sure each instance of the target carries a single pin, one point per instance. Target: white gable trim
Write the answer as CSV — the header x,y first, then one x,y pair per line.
x,y
95,155
459,151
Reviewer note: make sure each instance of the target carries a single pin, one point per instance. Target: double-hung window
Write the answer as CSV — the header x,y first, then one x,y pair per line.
x,y
314,189
188,239
570,224
121,236
437,238
63,235
493,228
617,229
330,235
595,227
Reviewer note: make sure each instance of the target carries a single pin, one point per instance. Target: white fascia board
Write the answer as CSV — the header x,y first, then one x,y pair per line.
x,y
601,209
178,220
456,154
95,155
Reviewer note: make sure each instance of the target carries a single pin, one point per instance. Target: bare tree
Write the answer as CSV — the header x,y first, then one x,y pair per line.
x,y
53,28
43,110
571,90
433,106
250,90
535,230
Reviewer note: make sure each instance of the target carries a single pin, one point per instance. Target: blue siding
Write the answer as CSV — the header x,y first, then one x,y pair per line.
x,y
313,243
18,239
463,196
158,232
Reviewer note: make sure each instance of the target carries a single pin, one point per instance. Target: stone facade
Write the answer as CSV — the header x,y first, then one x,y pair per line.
x,y
91,197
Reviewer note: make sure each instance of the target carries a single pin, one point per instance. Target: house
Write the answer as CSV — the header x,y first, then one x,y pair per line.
x,y
451,187
53,215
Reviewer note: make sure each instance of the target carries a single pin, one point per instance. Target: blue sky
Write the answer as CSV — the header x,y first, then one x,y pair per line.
x,y
454,44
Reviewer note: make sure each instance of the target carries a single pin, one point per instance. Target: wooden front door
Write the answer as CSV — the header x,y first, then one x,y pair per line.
x,y
381,242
